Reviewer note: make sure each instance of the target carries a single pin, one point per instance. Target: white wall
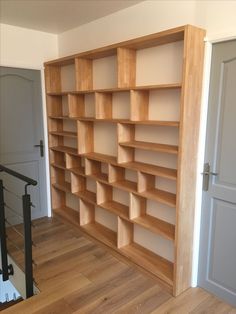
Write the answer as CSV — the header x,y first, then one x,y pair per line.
x,y
217,17
27,48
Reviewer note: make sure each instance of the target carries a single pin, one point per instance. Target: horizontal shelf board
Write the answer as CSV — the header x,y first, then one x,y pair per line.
x,y
156,225
127,121
63,186
171,149
69,214
160,196
78,170
100,157
154,263
125,185
151,169
64,133
65,149
58,93
116,208
59,117
102,177
60,166
118,89
153,122
87,196
147,41
101,233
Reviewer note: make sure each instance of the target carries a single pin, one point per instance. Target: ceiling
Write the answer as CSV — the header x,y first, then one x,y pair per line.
x,y
57,16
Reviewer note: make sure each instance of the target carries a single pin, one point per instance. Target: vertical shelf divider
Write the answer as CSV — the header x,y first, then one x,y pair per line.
x,y
103,105
126,132
125,233
85,137
84,74
76,105
126,61
139,105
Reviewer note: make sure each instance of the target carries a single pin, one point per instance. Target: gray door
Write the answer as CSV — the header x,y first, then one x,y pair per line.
x,y
21,128
217,267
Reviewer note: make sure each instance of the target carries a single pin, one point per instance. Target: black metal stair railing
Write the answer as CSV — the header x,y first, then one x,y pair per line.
x,y
7,269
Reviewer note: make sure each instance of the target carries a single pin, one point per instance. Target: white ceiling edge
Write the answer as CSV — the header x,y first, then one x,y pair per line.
x,y
58,16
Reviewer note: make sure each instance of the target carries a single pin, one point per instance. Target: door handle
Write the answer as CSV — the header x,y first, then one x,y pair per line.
x,y
206,176
41,146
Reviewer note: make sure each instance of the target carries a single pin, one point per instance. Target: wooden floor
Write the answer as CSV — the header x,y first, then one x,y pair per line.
x,y
75,275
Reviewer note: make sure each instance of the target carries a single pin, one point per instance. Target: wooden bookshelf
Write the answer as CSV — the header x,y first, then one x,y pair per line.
x,y
123,127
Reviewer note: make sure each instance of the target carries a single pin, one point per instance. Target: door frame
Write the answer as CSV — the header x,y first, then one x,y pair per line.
x,y
202,145
45,128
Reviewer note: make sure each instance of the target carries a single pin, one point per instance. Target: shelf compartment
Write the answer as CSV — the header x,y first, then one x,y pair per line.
x,y
116,208
156,225
96,169
62,186
101,233
146,188
69,214
138,214
75,164
105,199
160,196
93,228
151,61
157,265
87,196
79,186
58,159
65,149
64,133
105,72
171,149
118,178
60,78
90,135
60,180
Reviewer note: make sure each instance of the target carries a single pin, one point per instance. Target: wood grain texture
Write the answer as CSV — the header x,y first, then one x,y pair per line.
x,y
143,188
85,137
53,78
188,150
126,63
77,276
84,74
147,41
103,106
139,101
76,105
125,233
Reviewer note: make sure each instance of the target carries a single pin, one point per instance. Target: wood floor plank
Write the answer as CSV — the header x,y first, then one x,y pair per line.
x,y
45,299
146,302
118,296
76,275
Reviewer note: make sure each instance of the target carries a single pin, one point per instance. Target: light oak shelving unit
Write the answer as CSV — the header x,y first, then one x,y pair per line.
x,y
121,169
